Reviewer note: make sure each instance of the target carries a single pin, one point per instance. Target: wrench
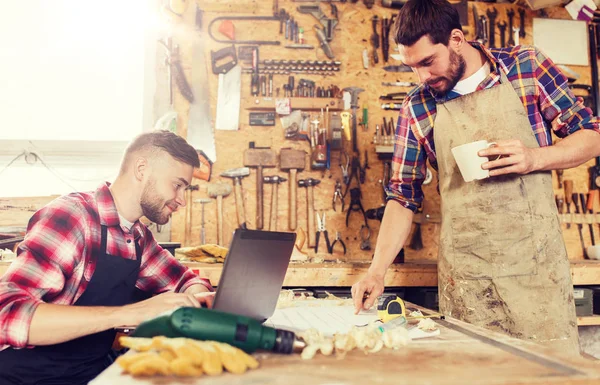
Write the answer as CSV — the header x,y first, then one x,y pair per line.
x,y
516,32
502,29
484,27
522,16
492,14
511,15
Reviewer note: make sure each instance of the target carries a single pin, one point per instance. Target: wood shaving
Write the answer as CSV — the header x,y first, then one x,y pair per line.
x,y
369,339
290,298
427,324
182,357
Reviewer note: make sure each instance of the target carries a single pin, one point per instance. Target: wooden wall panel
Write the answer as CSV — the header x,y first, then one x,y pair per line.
x,y
351,37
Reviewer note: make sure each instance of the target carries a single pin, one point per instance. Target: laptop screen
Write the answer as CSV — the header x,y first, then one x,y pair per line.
x,y
253,273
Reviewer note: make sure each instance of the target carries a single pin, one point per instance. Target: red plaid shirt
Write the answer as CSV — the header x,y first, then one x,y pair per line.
x,y
54,263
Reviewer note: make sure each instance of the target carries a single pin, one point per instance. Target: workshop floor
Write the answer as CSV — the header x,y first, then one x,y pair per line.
x,y
589,340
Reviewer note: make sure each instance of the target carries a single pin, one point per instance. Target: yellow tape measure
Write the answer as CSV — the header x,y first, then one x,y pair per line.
x,y
390,307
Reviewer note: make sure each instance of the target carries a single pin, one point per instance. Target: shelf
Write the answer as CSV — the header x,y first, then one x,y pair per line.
x,y
413,273
593,320
263,103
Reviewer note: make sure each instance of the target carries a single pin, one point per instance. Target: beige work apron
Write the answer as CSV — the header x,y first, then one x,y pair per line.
x,y
502,262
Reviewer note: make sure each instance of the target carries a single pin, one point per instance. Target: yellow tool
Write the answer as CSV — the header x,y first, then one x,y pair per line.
x,y
346,124
390,307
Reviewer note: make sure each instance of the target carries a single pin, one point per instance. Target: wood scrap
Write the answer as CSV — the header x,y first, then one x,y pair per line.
x,y
182,357
209,253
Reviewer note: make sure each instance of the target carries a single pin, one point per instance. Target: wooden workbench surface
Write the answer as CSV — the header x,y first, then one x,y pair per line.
x,y
462,354
346,274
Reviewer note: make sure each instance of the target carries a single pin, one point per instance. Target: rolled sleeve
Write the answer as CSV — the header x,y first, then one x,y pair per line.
x,y
50,252
409,165
564,111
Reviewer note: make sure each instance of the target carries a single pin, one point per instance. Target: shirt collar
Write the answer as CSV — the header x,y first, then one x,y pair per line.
x,y
107,210
492,78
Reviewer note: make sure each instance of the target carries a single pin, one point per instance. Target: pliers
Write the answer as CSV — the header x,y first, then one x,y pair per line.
x,y
338,238
356,205
322,229
337,194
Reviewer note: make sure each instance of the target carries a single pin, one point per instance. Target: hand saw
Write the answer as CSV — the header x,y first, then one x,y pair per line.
x,y
199,128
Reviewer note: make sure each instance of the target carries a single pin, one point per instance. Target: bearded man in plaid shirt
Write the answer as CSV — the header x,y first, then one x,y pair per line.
x,y
502,262
88,265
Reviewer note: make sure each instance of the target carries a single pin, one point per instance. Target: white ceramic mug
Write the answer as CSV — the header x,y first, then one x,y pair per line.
x,y
469,163
593,252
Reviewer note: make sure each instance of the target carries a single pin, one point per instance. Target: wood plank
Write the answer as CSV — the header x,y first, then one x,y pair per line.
x,y
593,320
422,273
462,354
585,272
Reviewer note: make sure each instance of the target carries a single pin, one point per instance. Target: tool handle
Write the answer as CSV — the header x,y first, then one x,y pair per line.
x,y
568,185
273,221
310,211
592,197
559,177
292,205
188,218
220,220
239,202
560,203
583,202
202,236
259,198
576,202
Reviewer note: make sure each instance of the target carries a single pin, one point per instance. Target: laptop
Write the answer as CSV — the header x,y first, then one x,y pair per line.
x,y
253,273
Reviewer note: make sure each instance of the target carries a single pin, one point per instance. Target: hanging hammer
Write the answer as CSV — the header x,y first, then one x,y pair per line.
x,y
237,174
259,157
188,213
274,180
202,201
310,210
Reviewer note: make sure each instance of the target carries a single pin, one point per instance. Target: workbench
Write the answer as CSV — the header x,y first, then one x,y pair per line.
x,y
410,274
462,354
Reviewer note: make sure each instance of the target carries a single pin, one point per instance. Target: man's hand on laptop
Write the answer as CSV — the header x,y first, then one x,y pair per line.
x,y
138,312
205,299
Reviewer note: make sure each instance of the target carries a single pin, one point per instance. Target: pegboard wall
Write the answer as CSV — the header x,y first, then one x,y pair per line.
x,y
351,36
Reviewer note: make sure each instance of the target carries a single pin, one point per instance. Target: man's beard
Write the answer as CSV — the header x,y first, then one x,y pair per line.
x,y
152,205
455,73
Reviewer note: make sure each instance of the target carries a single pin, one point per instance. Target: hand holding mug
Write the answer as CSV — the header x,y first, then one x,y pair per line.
x,y
512,158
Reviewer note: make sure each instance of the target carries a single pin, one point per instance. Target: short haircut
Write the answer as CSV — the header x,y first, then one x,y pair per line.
x,y
417,18
162,140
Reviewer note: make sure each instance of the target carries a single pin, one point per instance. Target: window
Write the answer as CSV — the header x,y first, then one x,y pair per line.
x,y
78,82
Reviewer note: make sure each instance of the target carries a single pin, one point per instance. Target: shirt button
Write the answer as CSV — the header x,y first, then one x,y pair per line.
x,y
129,241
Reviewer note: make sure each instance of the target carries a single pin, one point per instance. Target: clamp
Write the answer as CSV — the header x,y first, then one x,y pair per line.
x,y
337,239
345,167
337,194
322,229
365,236
356,205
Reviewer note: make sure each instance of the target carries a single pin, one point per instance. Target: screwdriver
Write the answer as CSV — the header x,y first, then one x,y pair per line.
x,y
568,186
579,225
592,196
560,203
585,206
